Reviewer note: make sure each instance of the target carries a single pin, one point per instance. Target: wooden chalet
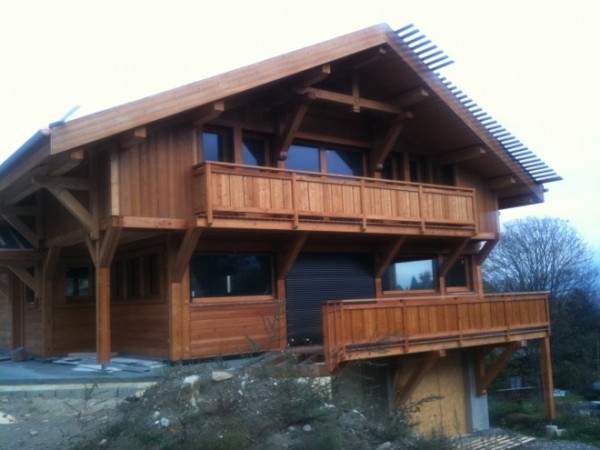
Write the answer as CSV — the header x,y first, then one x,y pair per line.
x,y
342,196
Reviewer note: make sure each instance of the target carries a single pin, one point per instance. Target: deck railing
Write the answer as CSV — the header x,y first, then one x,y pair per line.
x,y
361,329
235,191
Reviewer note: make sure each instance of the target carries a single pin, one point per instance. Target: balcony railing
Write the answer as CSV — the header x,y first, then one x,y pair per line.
x,y
288,199
361,329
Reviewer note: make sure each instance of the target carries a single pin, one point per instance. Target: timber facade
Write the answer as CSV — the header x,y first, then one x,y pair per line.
x,y
342,197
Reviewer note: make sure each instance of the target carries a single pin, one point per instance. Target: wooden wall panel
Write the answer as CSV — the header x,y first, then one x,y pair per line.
x,y
73,329
236,328
140,328
443,392
156,176
486,200
33,330
6,314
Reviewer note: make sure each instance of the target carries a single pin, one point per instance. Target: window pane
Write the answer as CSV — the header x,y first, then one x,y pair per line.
x,y
77,282
303,157
457,275
254,151
344,162
230,275
410,275
212,146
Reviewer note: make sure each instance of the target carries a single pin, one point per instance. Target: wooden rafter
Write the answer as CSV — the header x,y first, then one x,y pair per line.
x,y
404,391
461,155
484,376
347,99
313,76
30,235
381,151
451,258
368,57
289,255
184,253
290,125
387,256
133,138
208,112
109,244
19,256
74,184
502,182
76,208
412,97
485,251
23,274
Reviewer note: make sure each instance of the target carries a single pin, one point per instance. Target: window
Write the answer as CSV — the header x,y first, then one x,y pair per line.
x,y
411,274
78,283
231,275
303,157
344,162
318,158
457,277
216,144
417,168
137,277
255,150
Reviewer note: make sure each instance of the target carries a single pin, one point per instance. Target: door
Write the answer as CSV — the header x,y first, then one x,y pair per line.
x,y
318,277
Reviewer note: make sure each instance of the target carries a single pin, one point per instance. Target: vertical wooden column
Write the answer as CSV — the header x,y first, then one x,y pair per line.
x,y
547,381
103,314
48,270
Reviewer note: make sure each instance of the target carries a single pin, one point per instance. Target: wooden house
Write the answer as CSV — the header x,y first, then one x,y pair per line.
x,y
342,196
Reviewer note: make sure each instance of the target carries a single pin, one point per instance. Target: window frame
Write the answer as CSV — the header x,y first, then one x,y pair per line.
x,y
119,271
412,258
468,277
322,148
226,135
237,298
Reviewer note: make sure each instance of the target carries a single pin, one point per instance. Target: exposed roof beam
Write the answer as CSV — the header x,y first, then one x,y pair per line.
x,y
208,112
502,182
76,208
132,138
30,235
461,155
313,76
380,153
345,99
368,57
411,97
290,125
20,256
75,184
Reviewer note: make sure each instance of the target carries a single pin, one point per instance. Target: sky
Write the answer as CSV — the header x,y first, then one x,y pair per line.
x,y
532,65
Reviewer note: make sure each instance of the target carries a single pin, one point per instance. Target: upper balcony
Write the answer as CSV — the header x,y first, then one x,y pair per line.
x,y
362,329
237,196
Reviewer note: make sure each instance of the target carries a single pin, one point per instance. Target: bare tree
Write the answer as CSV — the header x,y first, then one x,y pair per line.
x,y
548,254
541,254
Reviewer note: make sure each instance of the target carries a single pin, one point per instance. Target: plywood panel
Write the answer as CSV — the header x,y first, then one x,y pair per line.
x,y
441,395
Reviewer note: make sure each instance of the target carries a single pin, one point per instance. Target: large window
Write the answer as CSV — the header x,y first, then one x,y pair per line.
x,y
411,274
329,159
231,275
457,277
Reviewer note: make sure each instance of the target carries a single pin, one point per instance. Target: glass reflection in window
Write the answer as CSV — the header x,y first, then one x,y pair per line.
x,y
410,275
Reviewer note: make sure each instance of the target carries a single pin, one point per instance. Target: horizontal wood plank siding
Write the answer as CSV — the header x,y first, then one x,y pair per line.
x,y
73,329
236,328
356,329
140,328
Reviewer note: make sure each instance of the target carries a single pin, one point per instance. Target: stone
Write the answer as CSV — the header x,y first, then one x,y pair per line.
x,y
33,433
156,415
164,422
384,446
6,418
192,380
103,443
307,428
221,375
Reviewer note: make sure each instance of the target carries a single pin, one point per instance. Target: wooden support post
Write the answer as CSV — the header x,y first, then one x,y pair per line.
x,y
547,381
47,288
485,376
404,391
381,151
387,256
290,125
451,258
289,255
103,315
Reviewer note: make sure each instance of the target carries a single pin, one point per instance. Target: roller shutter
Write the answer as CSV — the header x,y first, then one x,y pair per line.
x,y
318,277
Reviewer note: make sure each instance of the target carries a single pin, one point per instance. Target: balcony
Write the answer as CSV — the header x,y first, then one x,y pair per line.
x,y
362,329
236,196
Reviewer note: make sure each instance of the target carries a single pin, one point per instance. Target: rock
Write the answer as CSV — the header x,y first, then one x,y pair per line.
x,y
277,441
192,380
353,420
156,415
384,446
164,422
221,375
139,394
33,433
6,418
307,428
103,443
291,428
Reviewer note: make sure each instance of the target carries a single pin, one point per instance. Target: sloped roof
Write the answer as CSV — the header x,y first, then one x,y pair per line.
x,y
412,62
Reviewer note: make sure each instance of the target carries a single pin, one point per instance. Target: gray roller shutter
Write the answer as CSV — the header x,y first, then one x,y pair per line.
x,y
318,277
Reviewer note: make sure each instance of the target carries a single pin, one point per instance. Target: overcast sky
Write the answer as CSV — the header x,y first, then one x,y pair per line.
x,y
533,65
